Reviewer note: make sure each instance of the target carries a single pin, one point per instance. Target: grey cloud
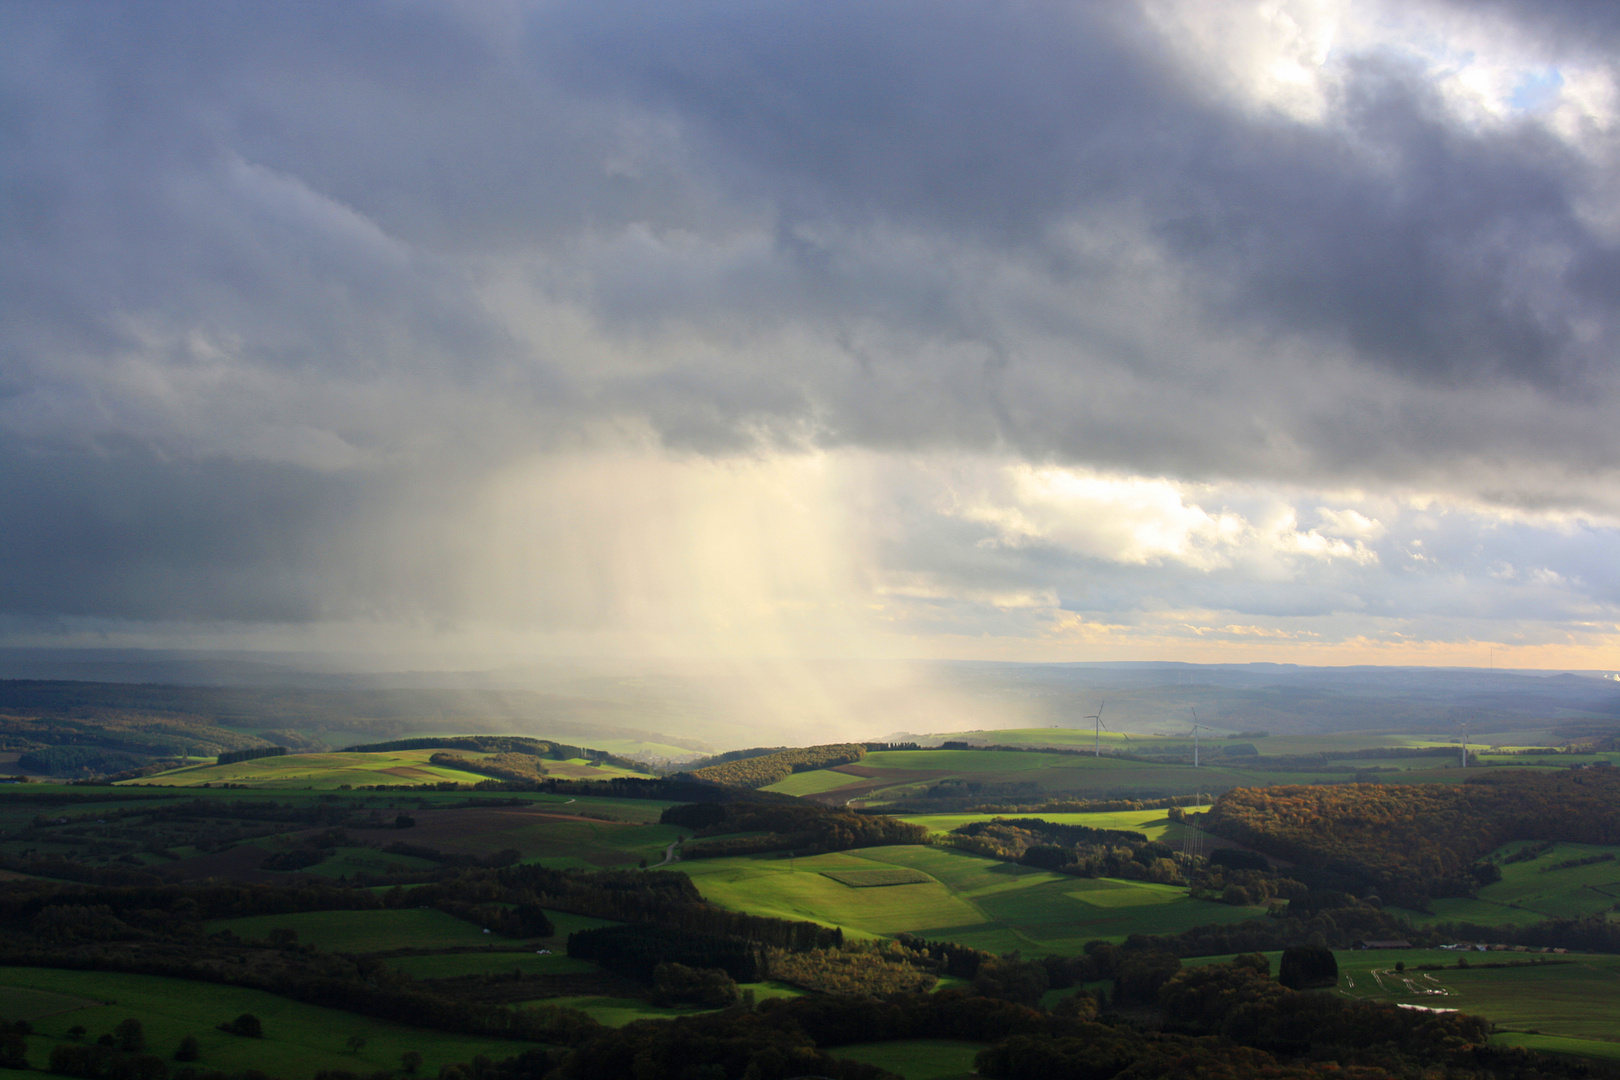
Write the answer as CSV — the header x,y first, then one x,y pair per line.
x,y
1021,228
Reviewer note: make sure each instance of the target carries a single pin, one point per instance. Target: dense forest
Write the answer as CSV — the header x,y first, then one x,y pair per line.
x,y
800,827
757,772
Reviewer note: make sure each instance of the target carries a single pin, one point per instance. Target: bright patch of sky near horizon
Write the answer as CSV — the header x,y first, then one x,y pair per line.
x,y
1064,331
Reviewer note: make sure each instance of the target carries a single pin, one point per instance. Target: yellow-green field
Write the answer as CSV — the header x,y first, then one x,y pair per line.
x,y
907,774
1154,824
330,771
981,902
1082,738
317,771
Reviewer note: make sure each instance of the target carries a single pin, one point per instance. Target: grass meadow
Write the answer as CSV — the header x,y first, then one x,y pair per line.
x,y
886,776
1574,997
300,1039
1534,890
327,772
1152,824
980,902
363,931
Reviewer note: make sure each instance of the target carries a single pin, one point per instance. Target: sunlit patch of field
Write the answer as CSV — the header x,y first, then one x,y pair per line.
x,y
888,776
1153,824
318,771
813,782
976,901
353,770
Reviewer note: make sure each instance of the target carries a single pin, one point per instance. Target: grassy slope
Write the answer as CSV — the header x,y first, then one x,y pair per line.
x,y
1082,738
981,902
813,782
1150,823
330,771
318,771
363,931
1075,775
1579,1000
1530,892
299,1039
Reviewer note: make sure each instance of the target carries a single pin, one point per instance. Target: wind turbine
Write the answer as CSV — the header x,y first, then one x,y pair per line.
x,y
1096,729
1464,728
1196,726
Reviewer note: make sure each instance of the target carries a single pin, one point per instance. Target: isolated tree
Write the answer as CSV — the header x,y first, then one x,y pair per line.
x,y
356,1043
1305,967
410,1061
131,1036
13,1051
189,1050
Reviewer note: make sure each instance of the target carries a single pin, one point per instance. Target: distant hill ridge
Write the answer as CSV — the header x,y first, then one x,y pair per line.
x,y
499,744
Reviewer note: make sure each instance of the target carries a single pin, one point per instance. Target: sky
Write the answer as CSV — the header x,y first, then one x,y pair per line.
x,y
1174,329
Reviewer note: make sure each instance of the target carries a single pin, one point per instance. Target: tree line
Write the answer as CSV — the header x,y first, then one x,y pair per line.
x,y
757,772
795,826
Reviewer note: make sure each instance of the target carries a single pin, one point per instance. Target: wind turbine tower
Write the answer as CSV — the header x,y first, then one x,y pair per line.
x,y
1096,729
1464,728
1195,727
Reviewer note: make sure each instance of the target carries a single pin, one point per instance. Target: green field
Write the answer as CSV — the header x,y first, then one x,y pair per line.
x,y
1532,891
1577,999
981,902
299,1039
349,861
1150,823
813,782
325,772
908,774
916,1059
321,772
1273,745
1559,1044
363,931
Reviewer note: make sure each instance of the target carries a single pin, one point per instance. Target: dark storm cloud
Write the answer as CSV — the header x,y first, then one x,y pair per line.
x,y
264,262
1394,229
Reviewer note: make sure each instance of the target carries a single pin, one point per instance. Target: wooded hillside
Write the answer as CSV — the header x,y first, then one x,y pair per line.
x,y
1419,839
756,772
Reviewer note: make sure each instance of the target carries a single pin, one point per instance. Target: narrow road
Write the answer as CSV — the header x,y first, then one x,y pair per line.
x,y
670,855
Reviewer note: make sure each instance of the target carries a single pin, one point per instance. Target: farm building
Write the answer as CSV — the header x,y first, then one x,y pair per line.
x,y
1368,943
